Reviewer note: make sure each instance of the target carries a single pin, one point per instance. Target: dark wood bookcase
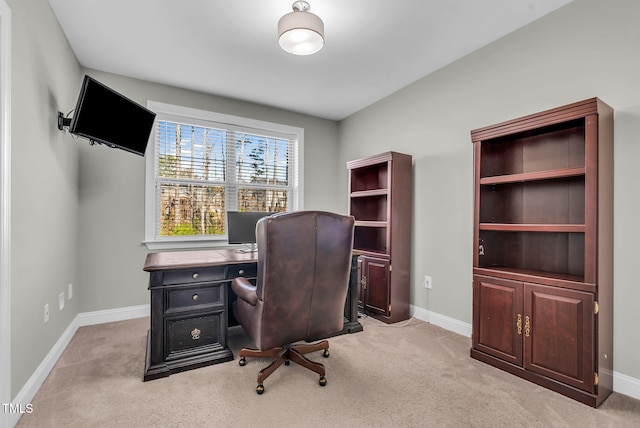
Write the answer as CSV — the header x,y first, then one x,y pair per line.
x,y
380,199
543,256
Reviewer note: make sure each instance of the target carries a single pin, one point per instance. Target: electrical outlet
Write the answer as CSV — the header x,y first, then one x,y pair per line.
x,y
46,313
70,292
428,282
61,301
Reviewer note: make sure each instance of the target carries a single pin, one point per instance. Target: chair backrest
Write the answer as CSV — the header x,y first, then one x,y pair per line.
x,y
304,261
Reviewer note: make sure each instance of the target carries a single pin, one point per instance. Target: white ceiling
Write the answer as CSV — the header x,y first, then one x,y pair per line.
x,y
230,48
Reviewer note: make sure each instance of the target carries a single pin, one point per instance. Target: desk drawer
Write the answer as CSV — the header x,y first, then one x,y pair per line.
x,y
247,270
187,276
196,332
194,297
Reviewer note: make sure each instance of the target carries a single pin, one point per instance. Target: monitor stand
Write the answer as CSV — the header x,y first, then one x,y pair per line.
x,y
253,247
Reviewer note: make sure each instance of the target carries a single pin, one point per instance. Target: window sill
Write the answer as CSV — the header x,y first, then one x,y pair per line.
x,y
185,245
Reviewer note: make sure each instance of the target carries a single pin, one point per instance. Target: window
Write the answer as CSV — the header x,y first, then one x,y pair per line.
x,y
202,164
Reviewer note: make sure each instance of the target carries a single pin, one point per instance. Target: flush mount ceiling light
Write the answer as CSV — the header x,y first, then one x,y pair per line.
x,y
301,32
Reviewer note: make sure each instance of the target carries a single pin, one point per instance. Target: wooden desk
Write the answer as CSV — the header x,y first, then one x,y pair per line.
x,y
190,307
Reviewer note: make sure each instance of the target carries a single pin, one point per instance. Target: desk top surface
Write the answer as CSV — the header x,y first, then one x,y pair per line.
x,y
199,258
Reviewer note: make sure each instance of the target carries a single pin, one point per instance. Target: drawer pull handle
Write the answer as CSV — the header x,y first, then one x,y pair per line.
x,y
195,275
195,334
241,272
195,297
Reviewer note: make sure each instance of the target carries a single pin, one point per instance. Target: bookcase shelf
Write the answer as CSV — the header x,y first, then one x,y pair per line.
x,y
370,209
550,278
369,193
523,227
532,176
363,224
369,178
552,201
373,239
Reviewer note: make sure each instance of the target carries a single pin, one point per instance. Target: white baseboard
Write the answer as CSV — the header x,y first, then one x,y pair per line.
x,y
622,384
443,321
112,315
626,385
38,377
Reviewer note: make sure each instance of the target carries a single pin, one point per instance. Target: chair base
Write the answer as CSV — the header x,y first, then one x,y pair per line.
x,y
295,353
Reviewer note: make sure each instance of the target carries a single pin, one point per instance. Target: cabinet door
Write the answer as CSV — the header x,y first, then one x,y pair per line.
x,y
376,283
559,334
498,318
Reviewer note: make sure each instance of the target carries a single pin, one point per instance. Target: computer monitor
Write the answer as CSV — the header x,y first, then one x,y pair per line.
x,y
241,227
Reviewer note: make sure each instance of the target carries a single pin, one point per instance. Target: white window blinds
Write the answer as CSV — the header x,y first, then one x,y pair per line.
x,y
190,180
262,171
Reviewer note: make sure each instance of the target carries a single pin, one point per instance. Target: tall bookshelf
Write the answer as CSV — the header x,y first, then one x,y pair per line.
x,y
380,199
543,259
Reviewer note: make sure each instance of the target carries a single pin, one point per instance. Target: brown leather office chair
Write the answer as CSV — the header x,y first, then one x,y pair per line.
x,y
303,273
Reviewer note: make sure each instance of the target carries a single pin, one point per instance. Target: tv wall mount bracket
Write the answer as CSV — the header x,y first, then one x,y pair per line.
x,y
63,122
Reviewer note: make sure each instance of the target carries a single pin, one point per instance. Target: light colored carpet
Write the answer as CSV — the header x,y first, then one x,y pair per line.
x,y
406,375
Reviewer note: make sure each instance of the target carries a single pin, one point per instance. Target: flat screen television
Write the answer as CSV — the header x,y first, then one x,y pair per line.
x,y
104,116
241,226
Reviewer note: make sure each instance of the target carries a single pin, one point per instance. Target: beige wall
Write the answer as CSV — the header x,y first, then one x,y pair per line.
x,y
44,185
588,48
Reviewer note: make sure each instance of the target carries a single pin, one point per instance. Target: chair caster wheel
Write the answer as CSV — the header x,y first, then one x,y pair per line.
x,y
287,362
242,362
260,389
323,381
326,353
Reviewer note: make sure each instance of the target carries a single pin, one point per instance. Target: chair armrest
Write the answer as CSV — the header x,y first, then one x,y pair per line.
x,y
245,290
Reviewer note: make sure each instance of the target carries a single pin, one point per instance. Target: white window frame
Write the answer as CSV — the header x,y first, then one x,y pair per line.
x,y
175,113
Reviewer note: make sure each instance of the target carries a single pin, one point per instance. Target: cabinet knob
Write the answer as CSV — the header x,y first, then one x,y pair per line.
x,y
195,275
195,297
241,272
